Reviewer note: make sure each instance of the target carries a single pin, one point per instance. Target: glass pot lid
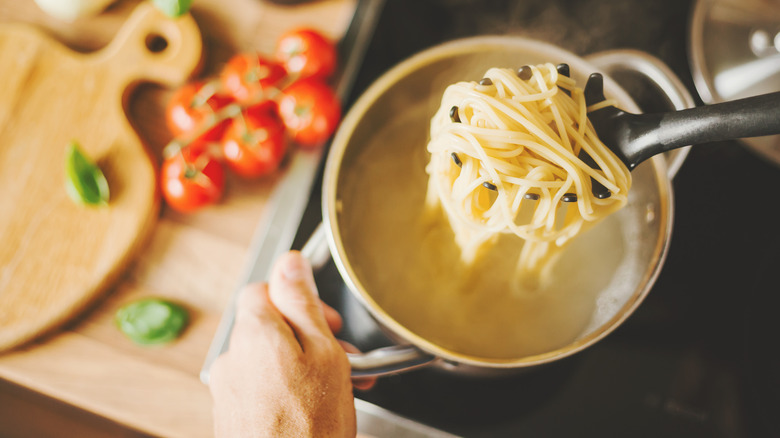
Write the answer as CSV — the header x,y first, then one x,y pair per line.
x,y
735,53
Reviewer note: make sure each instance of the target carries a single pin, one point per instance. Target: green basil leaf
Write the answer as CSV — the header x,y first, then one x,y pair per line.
x,y
151,321
173,8
85,181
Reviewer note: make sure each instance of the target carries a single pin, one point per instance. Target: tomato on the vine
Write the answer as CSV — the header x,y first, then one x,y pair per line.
x,y
249,77
194,106
250,111
254,143
191,178
306,53
310,110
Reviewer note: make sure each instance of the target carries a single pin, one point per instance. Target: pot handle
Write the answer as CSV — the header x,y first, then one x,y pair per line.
x,y
374,363
657,72
316,249
388,360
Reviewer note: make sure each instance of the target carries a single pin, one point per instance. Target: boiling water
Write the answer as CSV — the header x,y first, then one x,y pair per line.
x,y
411,267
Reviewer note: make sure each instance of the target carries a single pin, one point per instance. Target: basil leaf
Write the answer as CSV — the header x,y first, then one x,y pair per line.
x,y
151,321
173,8
85,181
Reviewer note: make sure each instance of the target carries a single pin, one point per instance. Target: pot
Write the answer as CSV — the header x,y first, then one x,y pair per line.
x,y
373,188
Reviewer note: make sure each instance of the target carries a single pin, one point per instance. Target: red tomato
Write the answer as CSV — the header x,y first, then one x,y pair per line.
x,y
254,143
191,179
193,106
249,77
307,53
310,110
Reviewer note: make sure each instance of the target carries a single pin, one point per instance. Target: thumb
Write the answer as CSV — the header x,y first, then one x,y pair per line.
x,y
294,293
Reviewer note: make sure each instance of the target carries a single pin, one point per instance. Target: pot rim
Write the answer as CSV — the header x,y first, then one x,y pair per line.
x,y
330,208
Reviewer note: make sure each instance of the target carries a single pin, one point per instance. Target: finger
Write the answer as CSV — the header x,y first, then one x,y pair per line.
x,y
362,383
253,304
293,292
332,317
258,321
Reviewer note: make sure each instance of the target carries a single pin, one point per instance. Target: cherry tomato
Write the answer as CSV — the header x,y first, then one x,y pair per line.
x,y
254,143
191,179
249,77
193,106
310,110
307,53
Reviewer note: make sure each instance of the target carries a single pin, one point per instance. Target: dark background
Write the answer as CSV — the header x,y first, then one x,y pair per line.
x,y
698,358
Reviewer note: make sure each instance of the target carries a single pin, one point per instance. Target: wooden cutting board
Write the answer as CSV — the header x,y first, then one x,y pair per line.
x,y
55,255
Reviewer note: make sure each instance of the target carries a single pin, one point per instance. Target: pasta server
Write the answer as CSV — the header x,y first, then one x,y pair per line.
x,y
637,137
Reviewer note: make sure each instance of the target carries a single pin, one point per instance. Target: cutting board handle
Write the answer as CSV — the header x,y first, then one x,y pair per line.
x,y
151,46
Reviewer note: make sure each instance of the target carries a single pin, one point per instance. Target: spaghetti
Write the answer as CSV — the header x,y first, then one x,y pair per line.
x,y
515,153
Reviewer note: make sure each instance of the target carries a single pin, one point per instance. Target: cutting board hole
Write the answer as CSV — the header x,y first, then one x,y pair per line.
x,y
156,43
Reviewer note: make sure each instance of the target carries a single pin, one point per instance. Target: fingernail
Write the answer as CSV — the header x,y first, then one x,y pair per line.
x,y
295,267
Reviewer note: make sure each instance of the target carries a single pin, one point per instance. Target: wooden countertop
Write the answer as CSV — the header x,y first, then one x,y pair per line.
x,y
195,259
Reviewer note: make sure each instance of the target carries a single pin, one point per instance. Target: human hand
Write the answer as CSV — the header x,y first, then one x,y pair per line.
x,y
284,373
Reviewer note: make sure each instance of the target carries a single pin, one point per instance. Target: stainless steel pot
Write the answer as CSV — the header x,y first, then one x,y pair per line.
x,y
397,109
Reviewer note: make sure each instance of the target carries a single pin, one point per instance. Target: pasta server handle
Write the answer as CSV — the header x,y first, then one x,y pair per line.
x,y
637,137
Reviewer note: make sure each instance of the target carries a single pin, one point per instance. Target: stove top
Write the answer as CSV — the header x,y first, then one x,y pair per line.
x,y
697,358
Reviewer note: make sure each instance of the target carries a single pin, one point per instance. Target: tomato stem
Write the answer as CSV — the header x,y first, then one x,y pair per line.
x,y
190,172
228,112
204,94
